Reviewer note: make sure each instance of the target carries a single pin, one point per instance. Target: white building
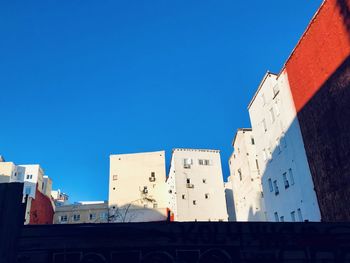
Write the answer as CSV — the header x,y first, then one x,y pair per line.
x,y
33,178
287,184
137,187
196,186
82,212
59,197
246,179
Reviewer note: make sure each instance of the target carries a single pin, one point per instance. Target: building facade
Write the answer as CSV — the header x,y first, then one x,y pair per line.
x,y
195,186
246,178
82,212
318,73
285,174
59,197
137,187
40,207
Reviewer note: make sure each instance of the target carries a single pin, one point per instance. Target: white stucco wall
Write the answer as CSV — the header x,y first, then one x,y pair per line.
x,y
280,149
191,204
246,178
129,176
36,177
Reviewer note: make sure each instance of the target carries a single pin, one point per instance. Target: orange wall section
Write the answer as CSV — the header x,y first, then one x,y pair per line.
x,y
321,50
41,211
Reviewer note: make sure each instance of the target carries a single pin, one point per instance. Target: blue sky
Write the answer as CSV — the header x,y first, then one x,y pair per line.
x,y
80,80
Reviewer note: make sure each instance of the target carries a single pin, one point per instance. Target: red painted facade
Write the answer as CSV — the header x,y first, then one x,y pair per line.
x,y
319,78
41,210
323,48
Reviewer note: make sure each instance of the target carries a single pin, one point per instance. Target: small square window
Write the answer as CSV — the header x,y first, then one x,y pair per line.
x,y
206,196
204,181
276,217
183,196
76,217
115,177
194,202
92,216
64,218
155,205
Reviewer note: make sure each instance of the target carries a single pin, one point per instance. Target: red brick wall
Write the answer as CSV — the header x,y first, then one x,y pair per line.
x,y
319,77
323,48
41,211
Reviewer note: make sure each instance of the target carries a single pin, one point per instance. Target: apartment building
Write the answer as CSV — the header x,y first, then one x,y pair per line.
x,y
246,178
39,208
82,212
285,174
137,187
59,197
196,186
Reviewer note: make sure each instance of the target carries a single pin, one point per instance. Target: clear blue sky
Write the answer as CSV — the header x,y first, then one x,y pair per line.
x,y
80,80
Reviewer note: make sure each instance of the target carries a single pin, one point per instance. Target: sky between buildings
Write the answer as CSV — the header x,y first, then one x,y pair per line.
x,y
80,80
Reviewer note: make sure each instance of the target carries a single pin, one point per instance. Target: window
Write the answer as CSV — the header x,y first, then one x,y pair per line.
x,y
115,177
187,163
206,196
282,218
292,215
257,164
188,180
264,125
272,115
204,162
252,140
92,216
300,216
184,197
276,187
285,180
240,174
76,217
291,177
103,215
64,218
42,186
155,205
194,202
276,217
270,184
204,181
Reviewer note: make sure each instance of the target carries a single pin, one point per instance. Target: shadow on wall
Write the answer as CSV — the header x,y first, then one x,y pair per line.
x,y
324,122
135,213
344,7
325,125
230,205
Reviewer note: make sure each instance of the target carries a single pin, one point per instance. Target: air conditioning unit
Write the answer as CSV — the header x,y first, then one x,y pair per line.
x,y
152,179
188,185
145,190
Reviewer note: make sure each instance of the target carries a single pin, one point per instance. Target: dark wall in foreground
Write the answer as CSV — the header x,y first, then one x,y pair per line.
x,y
186,242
